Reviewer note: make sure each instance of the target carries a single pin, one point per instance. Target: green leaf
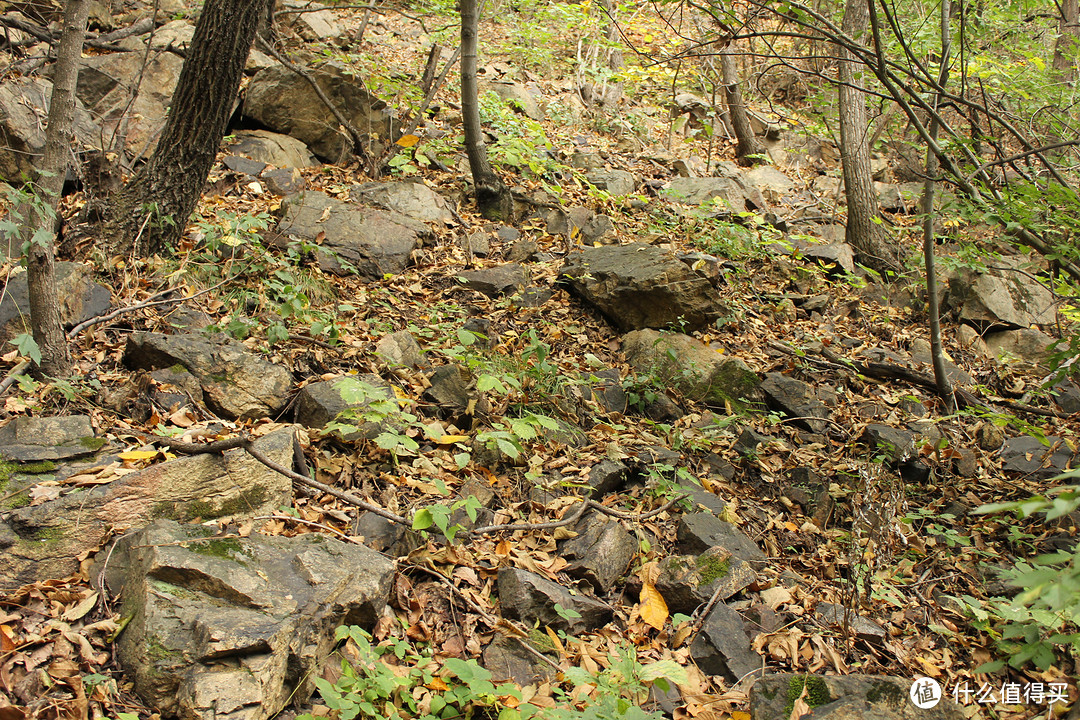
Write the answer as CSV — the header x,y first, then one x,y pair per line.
x,y
27,346
423,519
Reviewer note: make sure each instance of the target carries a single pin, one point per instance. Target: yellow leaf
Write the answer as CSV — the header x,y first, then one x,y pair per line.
x,y
138,454
407,141
654,610
791,526
740,715
451,439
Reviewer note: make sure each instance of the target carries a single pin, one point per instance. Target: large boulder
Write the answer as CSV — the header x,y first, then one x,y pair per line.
x,y
281,151
640,286
235,628
235,382
1004,296
836,697
373,242
106,87
48,540
727,192
285,102
412,199
24,107
515,95
80,299
35,439
698,371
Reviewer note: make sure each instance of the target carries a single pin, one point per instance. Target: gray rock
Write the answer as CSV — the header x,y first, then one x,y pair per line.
x,y
524,250
723,646
638,286
896,444
920,351
598,229
1025,455
607,389
696,370
532,297
380,534
374,242
689,581
243,165
795,399
727,194
414,200
768,179
844,697
236,383
24,105
452,392
516,95
48,540
697,532
281,151
187,317
105,87
1067,396
237,627
80,299
613,182
532,599
33,439
284,102
862,628
1000,297
749,441
809,489
318,403
400,349
899,197
313,24
477,243
607,476
497,280
506,660
601,553
507,234
1026,345
284,181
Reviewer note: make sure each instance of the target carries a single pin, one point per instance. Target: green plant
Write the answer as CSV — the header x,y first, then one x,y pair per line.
x,y
1044,617
391,680
379,408
440,515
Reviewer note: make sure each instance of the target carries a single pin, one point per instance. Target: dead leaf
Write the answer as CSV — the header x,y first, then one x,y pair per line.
x,y
653,609
80,611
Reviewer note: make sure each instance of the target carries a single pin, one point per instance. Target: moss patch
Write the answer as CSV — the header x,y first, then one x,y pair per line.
x,y
712,568
185,511
817,692
224,548
886,692
92,443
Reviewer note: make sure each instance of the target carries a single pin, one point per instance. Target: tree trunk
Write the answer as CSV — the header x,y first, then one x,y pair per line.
x,y
1067,47
864,231
492,195
747,144
41,261
937,354
152,211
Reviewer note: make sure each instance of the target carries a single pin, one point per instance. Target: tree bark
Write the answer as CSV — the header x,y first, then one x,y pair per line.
x,y
492,195
1067,47
864,231
151,213
937,353
748,150
41,259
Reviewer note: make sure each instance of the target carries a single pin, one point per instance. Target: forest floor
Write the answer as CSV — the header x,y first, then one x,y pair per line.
x,y
896,553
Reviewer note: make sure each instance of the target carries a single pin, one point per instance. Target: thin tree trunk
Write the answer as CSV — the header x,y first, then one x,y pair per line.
x,y
864,231
1067,47
941,379
748,150
152,211
41,261
492,195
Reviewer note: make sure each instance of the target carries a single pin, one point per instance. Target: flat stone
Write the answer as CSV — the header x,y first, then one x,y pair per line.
x,y
33,439
80,299
723,646
321,402
532,599
844,697
1025,455
640,286
412,199
613,182
795,399
697,532
689,581
601,553
498,280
